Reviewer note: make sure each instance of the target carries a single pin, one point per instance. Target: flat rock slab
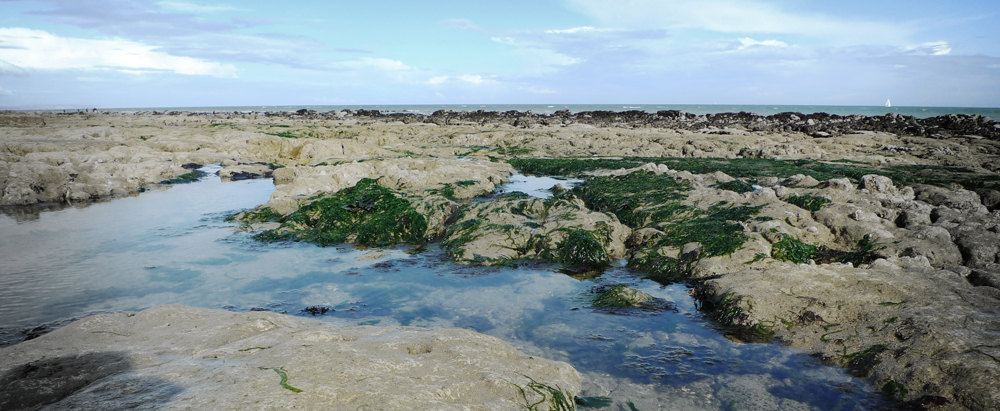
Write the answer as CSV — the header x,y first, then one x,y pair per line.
x,y
179,357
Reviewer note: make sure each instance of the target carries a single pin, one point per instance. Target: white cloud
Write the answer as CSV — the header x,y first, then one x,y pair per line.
x,y
749,42
4,92
571,31
194,8
736,16
437,80
371,63
466,78
37,49
933,48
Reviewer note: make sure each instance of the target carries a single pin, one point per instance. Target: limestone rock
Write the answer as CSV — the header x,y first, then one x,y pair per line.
x,y
882,323
178,357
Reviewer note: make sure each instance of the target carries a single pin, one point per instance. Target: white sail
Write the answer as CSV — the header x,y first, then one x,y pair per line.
x,y
887,104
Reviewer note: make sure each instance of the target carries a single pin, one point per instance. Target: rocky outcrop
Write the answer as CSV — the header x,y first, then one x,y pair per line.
x,y
919,334
516,226
178,357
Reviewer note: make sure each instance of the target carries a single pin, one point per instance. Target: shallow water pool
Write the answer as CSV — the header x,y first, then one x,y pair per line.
x,y
172,245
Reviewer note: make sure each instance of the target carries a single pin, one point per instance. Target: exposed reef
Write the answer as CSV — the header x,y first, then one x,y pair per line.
x,y
871,242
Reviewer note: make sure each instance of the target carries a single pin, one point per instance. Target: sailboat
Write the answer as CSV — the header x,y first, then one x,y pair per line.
x,y
887,104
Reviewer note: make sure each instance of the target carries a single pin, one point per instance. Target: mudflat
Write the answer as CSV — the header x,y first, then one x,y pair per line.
x,y
872,242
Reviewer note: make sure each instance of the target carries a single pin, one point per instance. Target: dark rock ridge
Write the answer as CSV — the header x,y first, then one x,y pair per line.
x,y
817,124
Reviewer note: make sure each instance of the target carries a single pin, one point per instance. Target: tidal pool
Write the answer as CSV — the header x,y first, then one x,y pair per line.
x,y
172,245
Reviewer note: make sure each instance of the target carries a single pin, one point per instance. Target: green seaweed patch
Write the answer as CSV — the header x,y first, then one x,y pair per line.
x,y
365,214
637,199
791,249
808,202
738,186
895,390
901,175
581,250
185,178
552,398
284,134
660,268
284,378
718,229
862,361
567,166
619,295
593,402
729,313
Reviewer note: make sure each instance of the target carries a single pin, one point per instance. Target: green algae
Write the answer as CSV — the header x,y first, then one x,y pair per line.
x,y
895,390
808,202
637,199
580,249
567,166
593,402
284,378
791,249
185,178
738,186
365,214
749,168
620,295
552,398
261,215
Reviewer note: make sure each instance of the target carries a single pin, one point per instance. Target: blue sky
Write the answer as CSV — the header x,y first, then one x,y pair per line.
x,y
131,53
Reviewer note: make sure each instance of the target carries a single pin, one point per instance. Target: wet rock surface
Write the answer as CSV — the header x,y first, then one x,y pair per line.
x,y
178,357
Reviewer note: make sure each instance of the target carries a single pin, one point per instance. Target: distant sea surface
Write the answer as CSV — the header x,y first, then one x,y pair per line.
x,y
919,112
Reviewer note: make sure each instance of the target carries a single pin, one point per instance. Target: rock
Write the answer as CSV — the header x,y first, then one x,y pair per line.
x,y
877,184
178,357
931,242
959,199
882,323
984,278
516,226
839,184
990,199
620,296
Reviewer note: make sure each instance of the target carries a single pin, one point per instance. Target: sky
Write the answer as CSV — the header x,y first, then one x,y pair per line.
x,y
193,53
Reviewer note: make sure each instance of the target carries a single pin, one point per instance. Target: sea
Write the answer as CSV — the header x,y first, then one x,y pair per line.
x,y
697,109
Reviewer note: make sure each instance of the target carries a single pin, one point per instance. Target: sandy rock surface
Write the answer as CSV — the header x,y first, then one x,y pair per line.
x,y
179,357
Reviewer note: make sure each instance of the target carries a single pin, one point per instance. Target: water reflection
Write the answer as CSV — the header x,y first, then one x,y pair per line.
x,y
173,246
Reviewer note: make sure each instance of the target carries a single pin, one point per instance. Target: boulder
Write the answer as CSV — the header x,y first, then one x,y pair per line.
x,y
178,357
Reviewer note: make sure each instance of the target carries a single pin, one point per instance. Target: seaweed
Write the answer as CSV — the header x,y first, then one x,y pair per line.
x,y
896,390
808,202
593,402
637,198
791,249
580,249
185,178
619,295
567,166
366,214
552,397
284,378
738,186
261,215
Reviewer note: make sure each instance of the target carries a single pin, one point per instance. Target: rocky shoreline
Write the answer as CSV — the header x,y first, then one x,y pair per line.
x,y
871,242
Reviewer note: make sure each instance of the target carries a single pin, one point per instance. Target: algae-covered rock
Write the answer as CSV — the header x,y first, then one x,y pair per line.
x,y
516,226
177,357
620,296
366,214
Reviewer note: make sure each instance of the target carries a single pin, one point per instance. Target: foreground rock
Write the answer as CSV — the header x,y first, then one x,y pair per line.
x,y
178,357
922,335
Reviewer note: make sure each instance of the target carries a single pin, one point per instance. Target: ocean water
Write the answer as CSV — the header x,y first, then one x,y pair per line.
x,y
173,245
699,109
